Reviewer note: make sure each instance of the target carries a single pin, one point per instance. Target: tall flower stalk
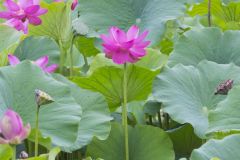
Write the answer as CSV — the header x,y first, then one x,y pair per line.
x,y
41,98
125,48
209,13
13,152
124,111
36,132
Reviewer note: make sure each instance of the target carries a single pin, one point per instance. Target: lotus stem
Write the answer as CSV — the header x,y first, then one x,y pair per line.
x,y
209,13
36,131
14,152
150,120
62,57
124,112
71,57
159,119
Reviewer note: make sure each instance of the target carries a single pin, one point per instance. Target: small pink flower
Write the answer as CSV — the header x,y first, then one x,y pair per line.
x,y
124,47
12,129
41,62
20,14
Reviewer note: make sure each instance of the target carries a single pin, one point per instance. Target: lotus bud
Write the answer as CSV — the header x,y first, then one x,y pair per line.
x,y
224,87
42,98
12,129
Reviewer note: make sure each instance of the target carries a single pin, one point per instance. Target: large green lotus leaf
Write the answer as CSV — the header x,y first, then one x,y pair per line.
x,y
56,23
58,120
154,60
225,118
184,140
225,149
33,48
208,43
147,14
187,92
95,120
145,143
108,81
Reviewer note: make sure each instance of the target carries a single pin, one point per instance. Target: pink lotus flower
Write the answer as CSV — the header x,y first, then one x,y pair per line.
x,y
12,129
73,6
124,47
41,62
20,14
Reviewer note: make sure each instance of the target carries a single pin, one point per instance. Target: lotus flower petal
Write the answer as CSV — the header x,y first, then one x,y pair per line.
x,y
42,62
51,68
25,132
32,9
35,20
13,60
40,12
74,4
6,15
11,5
132,32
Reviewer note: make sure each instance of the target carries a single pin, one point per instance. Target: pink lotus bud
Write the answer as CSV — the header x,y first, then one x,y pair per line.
x,y
12,129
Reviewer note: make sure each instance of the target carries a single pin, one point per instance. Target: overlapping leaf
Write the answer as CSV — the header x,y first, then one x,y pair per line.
x,y
142,145
95,120
228,148
225,118
184,140
187,92
106,77
108,81
59,120
56,23
206,44
33,48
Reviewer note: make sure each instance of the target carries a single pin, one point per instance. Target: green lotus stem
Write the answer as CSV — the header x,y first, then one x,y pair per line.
x,y
71,57
159,119
85,61
14,152
62,57
209,13
150,120
124,112
166,121
36,132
